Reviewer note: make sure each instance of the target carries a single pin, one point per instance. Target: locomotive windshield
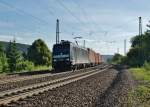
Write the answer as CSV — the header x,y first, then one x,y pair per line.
x,y
61,50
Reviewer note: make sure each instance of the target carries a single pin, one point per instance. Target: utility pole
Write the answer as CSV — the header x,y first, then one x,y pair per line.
x,y
125,47
57,31
118,50
84,43
142,53
140,26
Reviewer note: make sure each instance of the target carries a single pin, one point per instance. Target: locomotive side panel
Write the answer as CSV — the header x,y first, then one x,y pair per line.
x,y
80,56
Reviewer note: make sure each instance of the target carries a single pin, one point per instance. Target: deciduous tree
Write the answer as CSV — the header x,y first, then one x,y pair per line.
x,y
39,53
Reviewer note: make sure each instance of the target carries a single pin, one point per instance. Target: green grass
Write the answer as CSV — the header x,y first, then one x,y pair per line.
x,y
140,95
33,68
38,68
141,74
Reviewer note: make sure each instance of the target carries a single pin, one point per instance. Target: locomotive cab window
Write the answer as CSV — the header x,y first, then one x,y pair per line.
x,y
61,51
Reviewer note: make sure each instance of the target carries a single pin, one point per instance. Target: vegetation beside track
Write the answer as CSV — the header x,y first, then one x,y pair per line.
x,y
138,59
38,57
140,95
139,52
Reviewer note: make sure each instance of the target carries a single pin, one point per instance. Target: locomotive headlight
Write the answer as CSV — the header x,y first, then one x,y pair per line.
x,y
54,60
67,59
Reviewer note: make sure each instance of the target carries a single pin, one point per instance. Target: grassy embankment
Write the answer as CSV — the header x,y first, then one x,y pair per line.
x,y
140,95
30,69
37,68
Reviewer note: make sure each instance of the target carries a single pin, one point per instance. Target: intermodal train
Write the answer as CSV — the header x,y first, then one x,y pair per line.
x,y
67,55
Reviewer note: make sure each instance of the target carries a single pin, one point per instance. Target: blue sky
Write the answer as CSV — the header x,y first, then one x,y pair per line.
x,y
104,24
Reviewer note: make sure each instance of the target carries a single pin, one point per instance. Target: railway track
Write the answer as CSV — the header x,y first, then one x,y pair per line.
x,y
22,74
31,81
23,92
22,78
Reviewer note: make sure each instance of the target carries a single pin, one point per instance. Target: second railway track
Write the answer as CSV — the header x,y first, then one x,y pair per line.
x,y
23,92
35,79
15,78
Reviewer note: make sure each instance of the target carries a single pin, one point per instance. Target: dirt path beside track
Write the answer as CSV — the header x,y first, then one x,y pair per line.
x,y
117,95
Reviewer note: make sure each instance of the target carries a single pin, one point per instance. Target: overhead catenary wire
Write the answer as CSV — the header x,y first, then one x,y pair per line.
x,y
72,14
123,24
106,32
51,12
20,11
87,17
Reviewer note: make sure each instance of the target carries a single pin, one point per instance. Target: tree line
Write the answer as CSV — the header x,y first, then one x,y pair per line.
x,y
13,60
139,53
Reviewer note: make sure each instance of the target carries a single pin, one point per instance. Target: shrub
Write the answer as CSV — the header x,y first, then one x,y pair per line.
x,y
3,64
25,65
146,66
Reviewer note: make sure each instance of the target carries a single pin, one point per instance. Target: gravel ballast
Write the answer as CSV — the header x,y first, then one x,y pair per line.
x,y
117,95
106,89
26,82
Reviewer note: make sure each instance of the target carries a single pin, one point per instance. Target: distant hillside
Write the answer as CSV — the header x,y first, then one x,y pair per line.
x,y
106,57
20,47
